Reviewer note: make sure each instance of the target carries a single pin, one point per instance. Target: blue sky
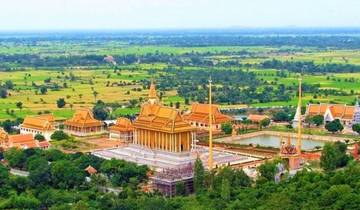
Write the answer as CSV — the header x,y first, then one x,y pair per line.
x,y
148,14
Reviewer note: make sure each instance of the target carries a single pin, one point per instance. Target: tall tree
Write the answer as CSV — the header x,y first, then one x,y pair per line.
x,y
60,103
100,111
225,189
199,175
328,159
19,105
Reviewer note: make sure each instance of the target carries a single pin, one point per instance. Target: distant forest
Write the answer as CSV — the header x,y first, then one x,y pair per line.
x,y
301,37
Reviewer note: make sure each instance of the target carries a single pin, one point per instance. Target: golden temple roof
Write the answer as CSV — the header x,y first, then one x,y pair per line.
x,y
160,118
200,113
41,122
122,124
83,118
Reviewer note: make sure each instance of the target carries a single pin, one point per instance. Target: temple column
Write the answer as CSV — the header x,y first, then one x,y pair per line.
x,y
145,138
168,142
142,138
176,143
188,141
163,141
172,142
155,140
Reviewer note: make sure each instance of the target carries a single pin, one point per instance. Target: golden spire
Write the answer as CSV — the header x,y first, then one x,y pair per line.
x,y
153,98
152,91
298,142
210,161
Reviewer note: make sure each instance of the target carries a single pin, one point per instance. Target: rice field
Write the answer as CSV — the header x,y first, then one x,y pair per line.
x,y
105,82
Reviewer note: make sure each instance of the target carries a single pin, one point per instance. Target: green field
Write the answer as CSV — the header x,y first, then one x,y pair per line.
x,y
105,81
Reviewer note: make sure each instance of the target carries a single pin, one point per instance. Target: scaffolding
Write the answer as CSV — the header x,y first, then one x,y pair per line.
x,y
166,180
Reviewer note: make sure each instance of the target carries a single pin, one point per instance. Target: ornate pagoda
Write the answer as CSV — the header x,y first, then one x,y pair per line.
x,y
162,128
122,130
199,116
288,151
83,123
42,124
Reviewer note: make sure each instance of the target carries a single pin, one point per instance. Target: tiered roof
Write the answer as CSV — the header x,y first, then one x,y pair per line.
x,y
23,141
42,122
122,125
341,111
155,116
200,113
83,118
160,118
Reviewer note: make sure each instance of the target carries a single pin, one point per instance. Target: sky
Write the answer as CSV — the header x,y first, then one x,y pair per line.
x,y
174,14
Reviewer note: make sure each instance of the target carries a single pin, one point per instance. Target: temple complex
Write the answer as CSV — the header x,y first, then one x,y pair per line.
x,y
162,139
199,116
122,130
163,128
83,123
331,112
43,125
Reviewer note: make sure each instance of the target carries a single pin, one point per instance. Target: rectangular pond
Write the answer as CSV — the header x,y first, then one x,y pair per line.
x,y
274,141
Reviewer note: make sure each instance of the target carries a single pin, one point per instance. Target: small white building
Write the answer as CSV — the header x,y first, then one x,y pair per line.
x,y
43,124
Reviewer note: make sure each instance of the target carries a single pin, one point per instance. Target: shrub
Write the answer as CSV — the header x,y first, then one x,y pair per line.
x,y
59,135
39,137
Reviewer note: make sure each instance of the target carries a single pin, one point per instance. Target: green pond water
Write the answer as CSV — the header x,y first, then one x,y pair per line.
x,y
274,141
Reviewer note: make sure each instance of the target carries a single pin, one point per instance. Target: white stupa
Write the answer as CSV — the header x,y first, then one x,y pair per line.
x,y
356,117
297,117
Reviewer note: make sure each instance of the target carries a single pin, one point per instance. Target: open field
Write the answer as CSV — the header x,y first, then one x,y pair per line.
x,y
78,93
81,86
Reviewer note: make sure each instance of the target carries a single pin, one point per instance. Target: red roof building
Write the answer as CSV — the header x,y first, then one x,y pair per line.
x,y
331,112
199,116
42,124
91,170
83,123
122,130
